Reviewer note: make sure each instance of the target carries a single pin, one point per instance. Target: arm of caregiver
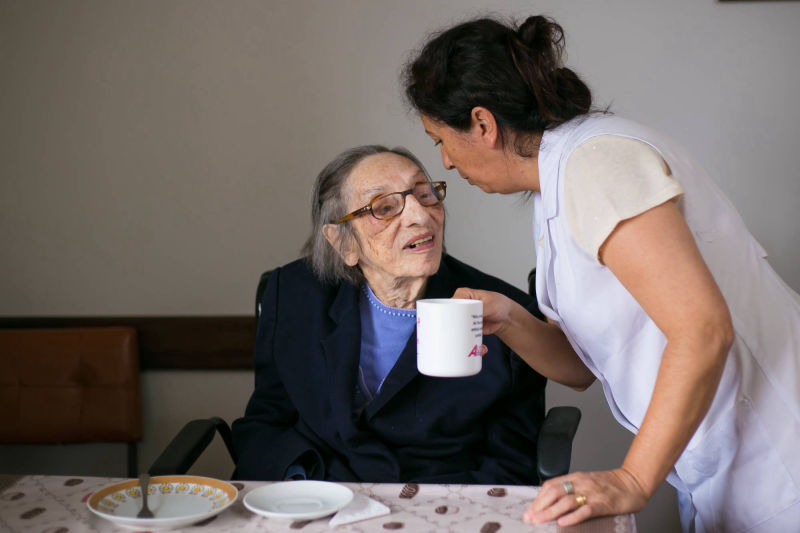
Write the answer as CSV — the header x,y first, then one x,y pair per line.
x,y
542,345
655,258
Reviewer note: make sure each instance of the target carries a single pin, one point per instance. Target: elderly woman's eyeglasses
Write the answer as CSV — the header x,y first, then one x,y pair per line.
x,y
390,205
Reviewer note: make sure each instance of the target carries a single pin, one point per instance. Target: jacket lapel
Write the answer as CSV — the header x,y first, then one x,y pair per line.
x,y
341,350
405,369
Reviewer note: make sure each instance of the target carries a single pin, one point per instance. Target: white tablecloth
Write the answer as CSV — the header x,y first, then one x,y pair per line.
x,y
57,504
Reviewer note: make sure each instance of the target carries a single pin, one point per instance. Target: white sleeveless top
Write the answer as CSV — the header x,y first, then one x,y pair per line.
x,y
756,411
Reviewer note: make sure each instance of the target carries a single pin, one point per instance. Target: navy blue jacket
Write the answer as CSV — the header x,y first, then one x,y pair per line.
x,y
476,429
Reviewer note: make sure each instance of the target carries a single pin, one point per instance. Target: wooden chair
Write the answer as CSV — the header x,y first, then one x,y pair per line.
x,y
71,385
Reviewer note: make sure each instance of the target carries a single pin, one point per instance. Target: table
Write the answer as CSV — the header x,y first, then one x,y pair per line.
x,y
57,504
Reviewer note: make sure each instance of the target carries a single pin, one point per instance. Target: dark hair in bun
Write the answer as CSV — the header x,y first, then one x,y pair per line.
x,y
517,73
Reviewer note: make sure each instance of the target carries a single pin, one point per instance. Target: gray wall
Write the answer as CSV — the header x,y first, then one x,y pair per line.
x,y
156,156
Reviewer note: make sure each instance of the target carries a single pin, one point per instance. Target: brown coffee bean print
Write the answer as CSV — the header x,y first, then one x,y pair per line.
x,y
393,525
442,509
490,527
56,530
12,496
409,491
36,511
239,486
72,482
496,492
299,524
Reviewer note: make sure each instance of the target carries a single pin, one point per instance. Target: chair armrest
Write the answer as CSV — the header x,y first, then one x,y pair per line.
x,y
189,443
554,446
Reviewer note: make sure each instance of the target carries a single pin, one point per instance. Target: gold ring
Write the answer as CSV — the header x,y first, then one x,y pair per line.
x,y
580,499
568,488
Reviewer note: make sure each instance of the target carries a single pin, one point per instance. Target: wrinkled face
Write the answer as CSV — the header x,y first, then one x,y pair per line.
x,y
406,246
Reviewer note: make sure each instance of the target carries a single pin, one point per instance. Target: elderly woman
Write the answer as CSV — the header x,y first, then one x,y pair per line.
x,y
337,394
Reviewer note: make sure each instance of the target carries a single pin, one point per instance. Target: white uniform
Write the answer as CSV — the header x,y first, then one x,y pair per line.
x,y
742,466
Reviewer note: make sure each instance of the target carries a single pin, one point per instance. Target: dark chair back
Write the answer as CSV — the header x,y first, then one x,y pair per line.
x,y
190,442
262,284
532,283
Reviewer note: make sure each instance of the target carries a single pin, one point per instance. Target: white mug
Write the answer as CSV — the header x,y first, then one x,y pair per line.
x,y
449,337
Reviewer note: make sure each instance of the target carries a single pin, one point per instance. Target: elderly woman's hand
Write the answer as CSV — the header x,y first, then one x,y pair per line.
x,y
579,496
496,308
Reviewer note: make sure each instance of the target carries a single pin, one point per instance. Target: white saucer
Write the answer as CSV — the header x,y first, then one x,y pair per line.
x,y
176,501
298,500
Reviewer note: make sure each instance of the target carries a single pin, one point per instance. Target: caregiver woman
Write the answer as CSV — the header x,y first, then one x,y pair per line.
x,y
646,268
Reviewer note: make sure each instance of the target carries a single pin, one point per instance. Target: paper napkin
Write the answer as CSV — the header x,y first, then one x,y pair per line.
x,y
361,508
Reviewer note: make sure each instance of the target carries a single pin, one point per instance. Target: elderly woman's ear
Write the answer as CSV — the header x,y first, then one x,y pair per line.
x,y
342,243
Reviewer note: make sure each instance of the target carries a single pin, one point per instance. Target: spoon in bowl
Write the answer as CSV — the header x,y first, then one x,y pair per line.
x,y
145,512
